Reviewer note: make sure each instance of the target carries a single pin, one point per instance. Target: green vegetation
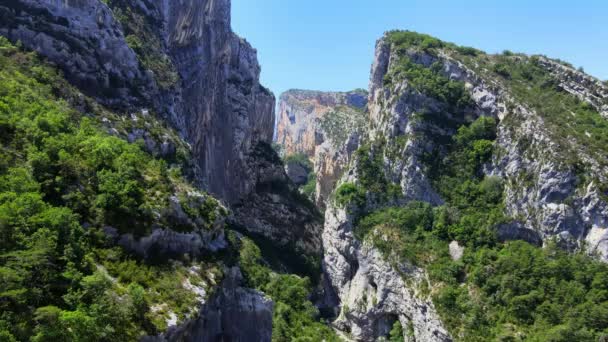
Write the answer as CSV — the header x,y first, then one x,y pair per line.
x,y
468,51
565,115
63,179
403,40
310,188
507,292
299,158
340,123
574,125
350,193
140,35
295,317
431,82
396,333
370,178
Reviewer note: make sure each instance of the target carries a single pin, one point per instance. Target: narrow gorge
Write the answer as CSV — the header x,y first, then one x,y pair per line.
x,y
151,189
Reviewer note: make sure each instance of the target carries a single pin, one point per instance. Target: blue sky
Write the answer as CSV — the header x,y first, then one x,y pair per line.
x,y
329,45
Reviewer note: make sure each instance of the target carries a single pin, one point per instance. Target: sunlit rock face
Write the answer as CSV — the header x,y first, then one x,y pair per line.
x,y
547,196
324,126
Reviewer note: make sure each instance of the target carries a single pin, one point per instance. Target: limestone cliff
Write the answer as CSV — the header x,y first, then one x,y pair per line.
x,y
301,111
554,186
180,63
118,54
324,126
178,60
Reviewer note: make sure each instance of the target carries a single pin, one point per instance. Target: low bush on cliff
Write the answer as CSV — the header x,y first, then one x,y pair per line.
x,y
430,82
406,39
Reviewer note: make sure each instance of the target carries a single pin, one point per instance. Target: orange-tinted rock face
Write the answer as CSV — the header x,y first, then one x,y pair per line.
x,y
325,126
298,128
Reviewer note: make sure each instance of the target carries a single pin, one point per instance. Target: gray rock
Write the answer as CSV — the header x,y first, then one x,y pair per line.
x,y
372,293
276,210
234,313
456,250
517,231
165,244
297,172
83,39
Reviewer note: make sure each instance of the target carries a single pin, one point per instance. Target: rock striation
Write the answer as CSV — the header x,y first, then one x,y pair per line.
x,y
217,104
324,126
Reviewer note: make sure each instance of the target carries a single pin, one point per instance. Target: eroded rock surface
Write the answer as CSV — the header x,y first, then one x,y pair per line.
x,y
233,313
373,294
324,126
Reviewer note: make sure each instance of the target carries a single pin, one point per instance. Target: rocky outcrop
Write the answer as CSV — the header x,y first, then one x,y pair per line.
x,y
297,172
233,313
393,114
217,104
331,161
276,210
373,293
324,126
82,38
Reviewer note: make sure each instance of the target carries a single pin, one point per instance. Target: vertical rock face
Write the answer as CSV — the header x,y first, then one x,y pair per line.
x,y
547,195
300,113
234,313
83,38
218,104
224,111
324,126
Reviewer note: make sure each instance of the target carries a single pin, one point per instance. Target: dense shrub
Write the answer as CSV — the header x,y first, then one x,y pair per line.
x,y
431,82
468,51
349,193
501,70
406,39
299,158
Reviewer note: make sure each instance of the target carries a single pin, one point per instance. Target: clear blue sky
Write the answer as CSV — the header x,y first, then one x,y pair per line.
x,y
329,44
